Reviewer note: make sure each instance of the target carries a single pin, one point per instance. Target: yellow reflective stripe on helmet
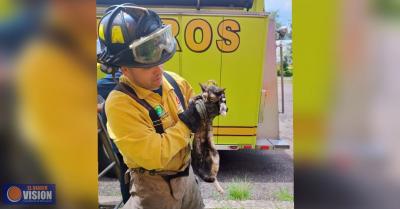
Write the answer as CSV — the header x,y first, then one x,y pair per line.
x,y
101,32
116,35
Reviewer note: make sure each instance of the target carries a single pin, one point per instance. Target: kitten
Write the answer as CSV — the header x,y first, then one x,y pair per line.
x,y
205,157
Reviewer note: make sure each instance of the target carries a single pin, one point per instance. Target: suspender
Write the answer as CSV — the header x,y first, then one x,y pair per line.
x,y
122,87
152,113
176,89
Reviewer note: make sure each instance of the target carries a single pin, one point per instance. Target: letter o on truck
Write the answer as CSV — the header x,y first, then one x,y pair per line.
x,y
194,26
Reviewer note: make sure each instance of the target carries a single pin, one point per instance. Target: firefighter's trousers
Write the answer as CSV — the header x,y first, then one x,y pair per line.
x,y
154,192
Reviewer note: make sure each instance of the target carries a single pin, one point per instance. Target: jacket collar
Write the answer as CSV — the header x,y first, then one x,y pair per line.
x,y
143,93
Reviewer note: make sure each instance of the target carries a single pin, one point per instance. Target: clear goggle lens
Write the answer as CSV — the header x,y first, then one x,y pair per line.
x,y
149,49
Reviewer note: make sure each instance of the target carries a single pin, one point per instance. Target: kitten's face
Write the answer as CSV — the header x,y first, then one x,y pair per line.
x,y
214,98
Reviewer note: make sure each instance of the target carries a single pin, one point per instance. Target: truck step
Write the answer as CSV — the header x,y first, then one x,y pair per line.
x,y
261,144
272,144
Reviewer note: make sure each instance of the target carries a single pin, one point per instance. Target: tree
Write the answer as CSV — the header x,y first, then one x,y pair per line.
x,y
275,15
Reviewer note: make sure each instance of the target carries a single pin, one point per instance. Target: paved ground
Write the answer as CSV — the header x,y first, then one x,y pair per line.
x,y
286,118
268,173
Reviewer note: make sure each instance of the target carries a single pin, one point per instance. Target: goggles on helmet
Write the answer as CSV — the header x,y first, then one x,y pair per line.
x,y
149,49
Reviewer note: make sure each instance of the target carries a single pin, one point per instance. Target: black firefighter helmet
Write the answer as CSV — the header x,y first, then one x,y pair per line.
x,y
133,36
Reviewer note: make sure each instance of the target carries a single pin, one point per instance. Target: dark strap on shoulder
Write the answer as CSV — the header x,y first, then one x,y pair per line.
x,y
122,87
177,90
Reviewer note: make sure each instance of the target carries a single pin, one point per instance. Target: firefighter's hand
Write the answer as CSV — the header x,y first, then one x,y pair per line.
x,y
191,116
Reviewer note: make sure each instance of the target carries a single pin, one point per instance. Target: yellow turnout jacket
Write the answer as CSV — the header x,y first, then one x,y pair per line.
x,y
131,127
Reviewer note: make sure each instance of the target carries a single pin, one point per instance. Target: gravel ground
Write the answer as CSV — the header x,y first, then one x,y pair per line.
x,y
268,172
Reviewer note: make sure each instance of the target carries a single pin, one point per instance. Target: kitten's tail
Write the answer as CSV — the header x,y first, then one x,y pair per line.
x,y
218,187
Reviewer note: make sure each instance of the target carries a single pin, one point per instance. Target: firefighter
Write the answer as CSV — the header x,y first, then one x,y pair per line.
x,y
148,114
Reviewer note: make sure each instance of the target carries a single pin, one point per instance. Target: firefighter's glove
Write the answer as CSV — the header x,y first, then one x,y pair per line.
x,y
193,115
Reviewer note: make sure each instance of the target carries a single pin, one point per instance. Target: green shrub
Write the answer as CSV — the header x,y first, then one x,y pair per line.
x,y
286,72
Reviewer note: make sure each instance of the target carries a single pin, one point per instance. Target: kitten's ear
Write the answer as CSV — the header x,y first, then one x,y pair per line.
x,y
203,87
220,90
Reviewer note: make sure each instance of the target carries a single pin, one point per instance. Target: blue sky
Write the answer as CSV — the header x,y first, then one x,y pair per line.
x,y
283,6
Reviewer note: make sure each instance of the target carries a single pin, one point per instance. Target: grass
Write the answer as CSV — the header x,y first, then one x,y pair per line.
x,y
239,190
284,195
